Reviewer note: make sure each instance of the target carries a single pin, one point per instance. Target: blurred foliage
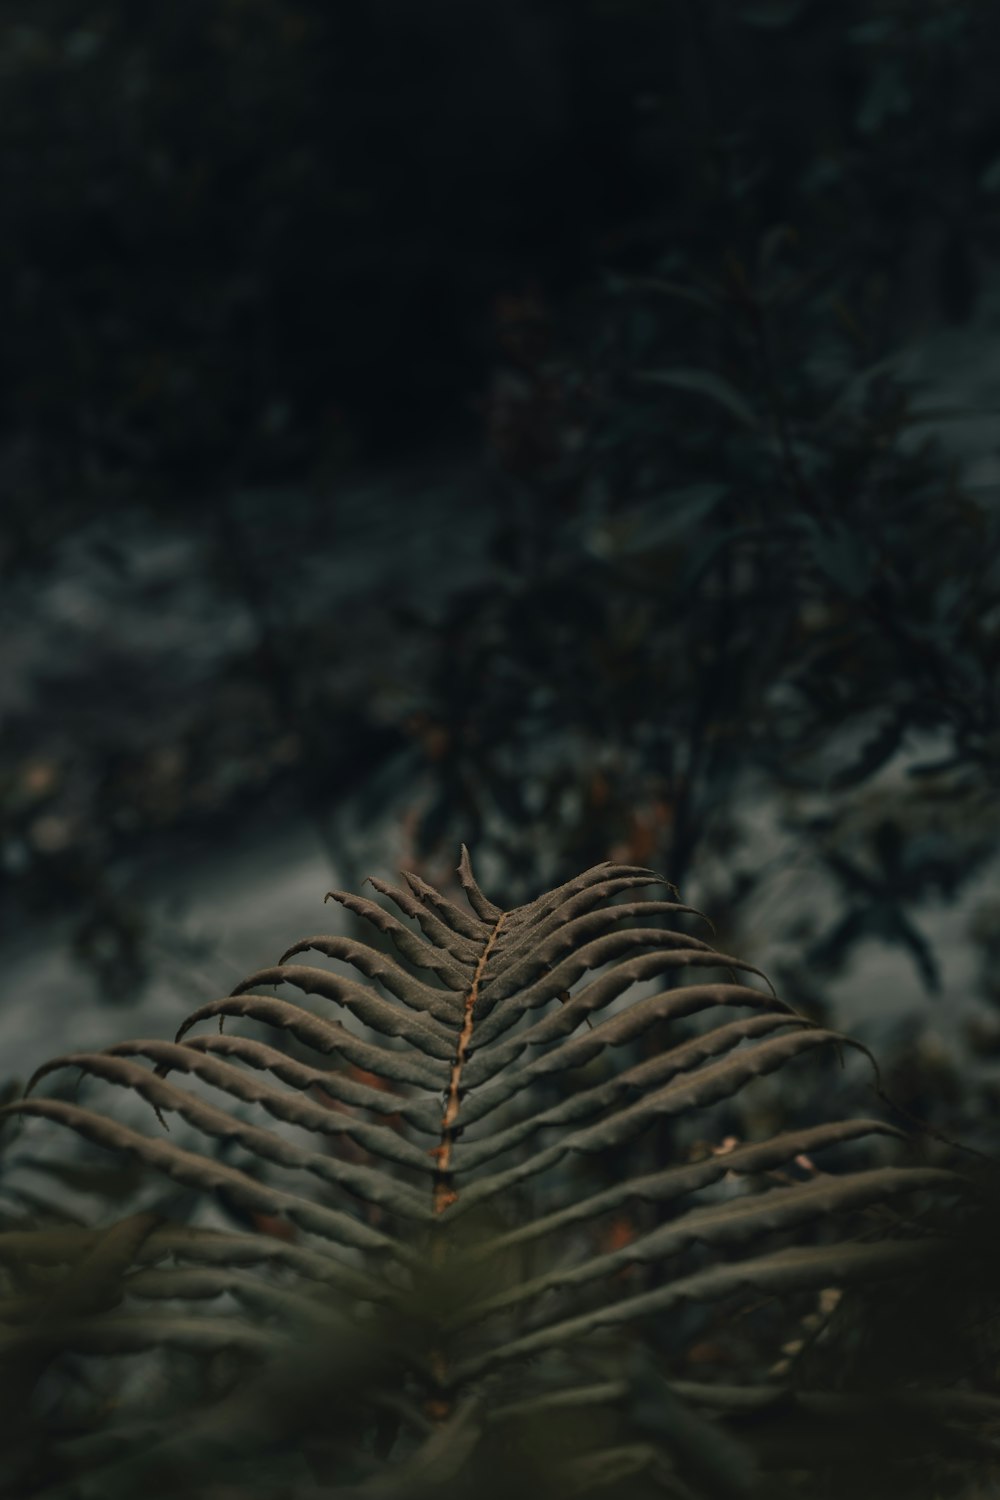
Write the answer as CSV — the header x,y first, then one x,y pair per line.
x,y
249,237
661,258
741,575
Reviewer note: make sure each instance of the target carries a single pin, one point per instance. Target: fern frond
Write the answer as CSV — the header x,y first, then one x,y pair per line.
x,y
424,1149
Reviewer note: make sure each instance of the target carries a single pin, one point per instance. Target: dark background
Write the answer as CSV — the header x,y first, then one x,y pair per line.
x,y
489,421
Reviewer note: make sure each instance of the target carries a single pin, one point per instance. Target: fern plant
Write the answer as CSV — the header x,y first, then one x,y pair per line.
x,y
468,1223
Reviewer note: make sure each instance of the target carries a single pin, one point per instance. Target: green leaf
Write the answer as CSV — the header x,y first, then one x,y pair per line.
x,y
704,383
663,520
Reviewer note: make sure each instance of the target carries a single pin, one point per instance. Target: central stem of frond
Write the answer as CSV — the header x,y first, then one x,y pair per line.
x,y
444,1192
